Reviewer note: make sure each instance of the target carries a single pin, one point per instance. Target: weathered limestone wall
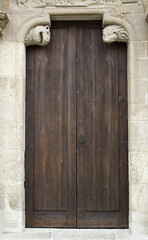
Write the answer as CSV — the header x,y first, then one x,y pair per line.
x,y
138,136
12,107
12,85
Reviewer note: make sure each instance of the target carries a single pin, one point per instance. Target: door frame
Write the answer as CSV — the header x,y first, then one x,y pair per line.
x,y
121,24
109,31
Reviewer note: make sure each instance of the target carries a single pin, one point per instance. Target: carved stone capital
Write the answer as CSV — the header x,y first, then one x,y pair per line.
x,y
39,35
3,21
114,33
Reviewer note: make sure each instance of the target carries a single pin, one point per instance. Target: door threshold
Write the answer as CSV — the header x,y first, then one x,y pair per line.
x,y
73,234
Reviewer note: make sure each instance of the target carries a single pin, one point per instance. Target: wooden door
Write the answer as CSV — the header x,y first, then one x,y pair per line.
x,y
76,130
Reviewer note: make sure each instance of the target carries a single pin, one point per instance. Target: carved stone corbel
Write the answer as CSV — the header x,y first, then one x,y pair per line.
x,y
3,22
39,35
114,33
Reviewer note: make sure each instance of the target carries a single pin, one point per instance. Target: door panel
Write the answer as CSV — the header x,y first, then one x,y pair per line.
x,y
76,130
98,113
53,140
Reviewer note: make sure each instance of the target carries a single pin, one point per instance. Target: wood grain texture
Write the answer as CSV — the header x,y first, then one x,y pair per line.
x,y
76,130
54,129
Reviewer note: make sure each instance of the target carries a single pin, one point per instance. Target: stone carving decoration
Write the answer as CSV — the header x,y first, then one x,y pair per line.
x,y
114,33
39,35
3,21
68,3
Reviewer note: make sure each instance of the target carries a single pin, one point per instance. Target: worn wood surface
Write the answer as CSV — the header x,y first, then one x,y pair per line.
x,y
76,130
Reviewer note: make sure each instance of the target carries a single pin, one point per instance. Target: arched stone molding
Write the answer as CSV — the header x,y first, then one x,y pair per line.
x,y
30,23
121,20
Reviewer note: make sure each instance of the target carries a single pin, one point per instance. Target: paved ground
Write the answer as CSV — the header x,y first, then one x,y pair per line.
x,y
76,234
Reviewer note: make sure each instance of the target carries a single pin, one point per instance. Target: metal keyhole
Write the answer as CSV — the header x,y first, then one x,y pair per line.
x,y
82,138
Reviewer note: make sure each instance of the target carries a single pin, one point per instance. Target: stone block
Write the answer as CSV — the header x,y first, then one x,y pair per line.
x,y
137,92
2,171
133,135
140,49
3,138
11,88
7,59
146,85
11,111
142,68
139,223
146,53
12,165
139,199
15,196
1,221
143,112
138,168
138,112
133,70
133,112
2,196
133,168
13,221
20,60
12,138
142,136
138,140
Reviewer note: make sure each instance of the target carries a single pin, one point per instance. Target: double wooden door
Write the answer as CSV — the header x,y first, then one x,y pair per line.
x,y
76,130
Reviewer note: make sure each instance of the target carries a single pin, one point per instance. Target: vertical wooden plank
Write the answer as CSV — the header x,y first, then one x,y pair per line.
x,y
80,125
92,117
29,156
71,137
88,115
109,129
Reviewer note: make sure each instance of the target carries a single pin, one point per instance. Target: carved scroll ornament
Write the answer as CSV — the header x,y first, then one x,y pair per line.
x,y
3,21
114,33
39,35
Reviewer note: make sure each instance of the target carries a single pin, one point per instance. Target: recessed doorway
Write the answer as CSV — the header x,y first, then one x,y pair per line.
x,y
76,130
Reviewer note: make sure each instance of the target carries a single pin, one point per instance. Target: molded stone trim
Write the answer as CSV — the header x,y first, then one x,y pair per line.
x,y
3,22
121,20
30,23
114,33
39,35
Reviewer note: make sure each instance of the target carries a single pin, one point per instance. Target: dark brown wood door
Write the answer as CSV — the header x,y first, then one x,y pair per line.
x,y
76,130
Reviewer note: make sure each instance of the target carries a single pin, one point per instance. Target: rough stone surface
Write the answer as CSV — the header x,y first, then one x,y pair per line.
x,y
131,16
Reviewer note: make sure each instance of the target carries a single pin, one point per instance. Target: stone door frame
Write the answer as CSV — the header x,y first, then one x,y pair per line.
x,y
24,28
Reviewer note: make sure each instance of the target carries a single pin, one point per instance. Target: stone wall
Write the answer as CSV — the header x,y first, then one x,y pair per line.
x,y
12,85
131,16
